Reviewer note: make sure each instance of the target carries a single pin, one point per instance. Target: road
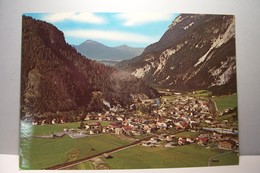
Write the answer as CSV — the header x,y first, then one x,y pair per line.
x,y
213,107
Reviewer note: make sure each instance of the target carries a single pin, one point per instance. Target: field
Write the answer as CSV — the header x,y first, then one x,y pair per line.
x,y
227,159
184,156
226,101
44,153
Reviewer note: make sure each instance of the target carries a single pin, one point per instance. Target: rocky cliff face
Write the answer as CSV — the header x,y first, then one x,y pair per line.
x,y
196,52
55,77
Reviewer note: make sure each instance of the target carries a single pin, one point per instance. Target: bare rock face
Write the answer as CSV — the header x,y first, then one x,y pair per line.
x,y
196,52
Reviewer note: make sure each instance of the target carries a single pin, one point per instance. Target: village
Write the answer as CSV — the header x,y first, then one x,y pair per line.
x,y
161,119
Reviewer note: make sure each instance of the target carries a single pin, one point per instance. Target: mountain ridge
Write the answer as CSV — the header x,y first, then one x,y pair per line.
x,y
98,51
56,78
196,52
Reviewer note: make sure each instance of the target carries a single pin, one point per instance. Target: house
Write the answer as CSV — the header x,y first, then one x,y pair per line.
x,y
217,137
34,123
119,118
154,139
105,129
161,125
227,145
107,156
53,121
137,132
113,126
170,145
208,121
147,144
170,138
181,125
95,127
65,130
110,118
91,132
181,141
189,140
203,141
225,121
95,131
153,142
204,135
91,117
118,131
43,122
163,137
185,140
127,130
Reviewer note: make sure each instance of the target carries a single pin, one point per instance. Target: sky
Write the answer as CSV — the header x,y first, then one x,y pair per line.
x,y
111,29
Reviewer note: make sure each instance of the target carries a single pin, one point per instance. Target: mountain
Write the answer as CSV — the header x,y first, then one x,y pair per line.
x,y
56,78
98,51
196,52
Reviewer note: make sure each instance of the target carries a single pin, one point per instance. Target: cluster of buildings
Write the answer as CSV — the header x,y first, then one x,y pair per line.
x,y
204,139
164,118
183,113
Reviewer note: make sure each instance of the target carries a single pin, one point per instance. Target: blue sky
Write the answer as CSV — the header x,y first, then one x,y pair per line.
x,y
111,29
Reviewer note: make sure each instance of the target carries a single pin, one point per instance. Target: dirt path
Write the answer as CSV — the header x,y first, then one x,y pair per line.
x,y
213,107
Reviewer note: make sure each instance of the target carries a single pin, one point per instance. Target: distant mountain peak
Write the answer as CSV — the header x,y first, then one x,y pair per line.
x,y
98,51
124,46
91,42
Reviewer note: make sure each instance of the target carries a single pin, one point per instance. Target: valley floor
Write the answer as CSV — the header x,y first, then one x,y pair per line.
x,y
171,134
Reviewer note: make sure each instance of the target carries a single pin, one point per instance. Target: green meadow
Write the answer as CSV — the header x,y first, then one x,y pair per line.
x,y
159,157
226,101
38,153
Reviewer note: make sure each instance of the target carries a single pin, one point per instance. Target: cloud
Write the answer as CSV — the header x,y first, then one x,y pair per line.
x,y
131,19
110,35
78,17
